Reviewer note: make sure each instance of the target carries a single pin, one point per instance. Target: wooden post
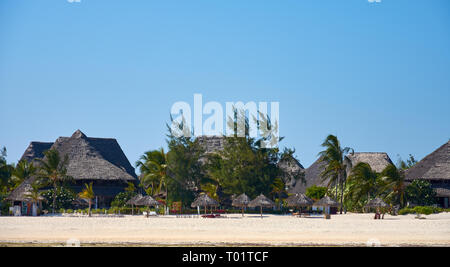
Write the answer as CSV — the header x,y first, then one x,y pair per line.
x,y
261,210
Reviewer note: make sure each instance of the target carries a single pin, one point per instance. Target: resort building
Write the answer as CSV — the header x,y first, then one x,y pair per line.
x,y
377,161
434,168
97,160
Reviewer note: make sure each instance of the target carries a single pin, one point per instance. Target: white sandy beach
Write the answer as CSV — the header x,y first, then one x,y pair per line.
x,y
347,230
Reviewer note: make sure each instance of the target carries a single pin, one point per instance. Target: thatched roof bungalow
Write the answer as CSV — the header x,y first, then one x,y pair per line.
x,y
97,160
434,168
377,161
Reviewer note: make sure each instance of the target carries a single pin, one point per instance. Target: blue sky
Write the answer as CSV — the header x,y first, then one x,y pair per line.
x,y
375,74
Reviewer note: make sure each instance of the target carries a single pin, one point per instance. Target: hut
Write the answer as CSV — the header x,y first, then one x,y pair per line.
x,y
299,200
377,161
261,201
378,204
97,160
21,203
204,200
326,202
241,201
434,168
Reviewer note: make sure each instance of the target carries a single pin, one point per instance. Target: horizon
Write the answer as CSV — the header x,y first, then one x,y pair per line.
x,y
373,73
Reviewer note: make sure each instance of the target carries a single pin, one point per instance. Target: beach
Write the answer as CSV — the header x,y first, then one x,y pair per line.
x,y
234,230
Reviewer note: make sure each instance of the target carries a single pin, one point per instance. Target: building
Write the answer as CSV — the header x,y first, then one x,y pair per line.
x,y
434,168
97,160
377,161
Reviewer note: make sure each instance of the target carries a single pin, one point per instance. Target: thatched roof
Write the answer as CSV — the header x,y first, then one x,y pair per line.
x,y
376,202
241,201
312,177
291,169
21,192
299,200
261,201
211,143
327,201
377,161
147,201
134,200
204,200
441,189
435,166
35,151
94,158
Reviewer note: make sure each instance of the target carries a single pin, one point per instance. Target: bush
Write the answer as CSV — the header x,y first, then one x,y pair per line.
x,y
64,198
423,210
421,193
316,192
69,211
121,199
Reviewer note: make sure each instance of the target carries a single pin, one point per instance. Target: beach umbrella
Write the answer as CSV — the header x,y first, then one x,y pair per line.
x,y
261,201
299,200
241,201
204,200
326,202
147,201
377,203
132,201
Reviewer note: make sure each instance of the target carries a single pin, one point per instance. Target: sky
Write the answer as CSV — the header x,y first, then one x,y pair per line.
x,y
376,74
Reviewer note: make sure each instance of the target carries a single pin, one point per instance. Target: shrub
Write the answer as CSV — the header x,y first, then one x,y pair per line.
x,y
316,192
64,198
420,192
423,210
69,211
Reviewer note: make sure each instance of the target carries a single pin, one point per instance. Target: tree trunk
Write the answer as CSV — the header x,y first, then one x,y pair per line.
x,y
54,198
89,211
342,192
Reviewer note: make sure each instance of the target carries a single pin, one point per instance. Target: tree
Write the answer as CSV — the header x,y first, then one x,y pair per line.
x,y
393,185
22,171
316,192
411,161
421,193
53,171
5,171
362,184
35,195
154,166
88,194
337,163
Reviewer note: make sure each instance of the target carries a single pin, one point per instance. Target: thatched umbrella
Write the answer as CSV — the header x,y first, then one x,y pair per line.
x,y
147,201
132,201
327,202
261,201
241,201
204,200
299,200
377,203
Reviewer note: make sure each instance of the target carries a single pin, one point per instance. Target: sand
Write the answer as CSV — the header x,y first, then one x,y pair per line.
x,y
276,230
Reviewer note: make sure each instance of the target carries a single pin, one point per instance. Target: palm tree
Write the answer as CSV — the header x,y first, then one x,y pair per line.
x,y
88,194
363,182
53,171
153,166
393,181
23,171
5,170
35,196
337,163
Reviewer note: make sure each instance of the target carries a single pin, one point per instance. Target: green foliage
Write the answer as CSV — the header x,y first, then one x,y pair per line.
x,y
64,198
362,184
185,168
411,161
121,198
427,210
420,192
316,192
